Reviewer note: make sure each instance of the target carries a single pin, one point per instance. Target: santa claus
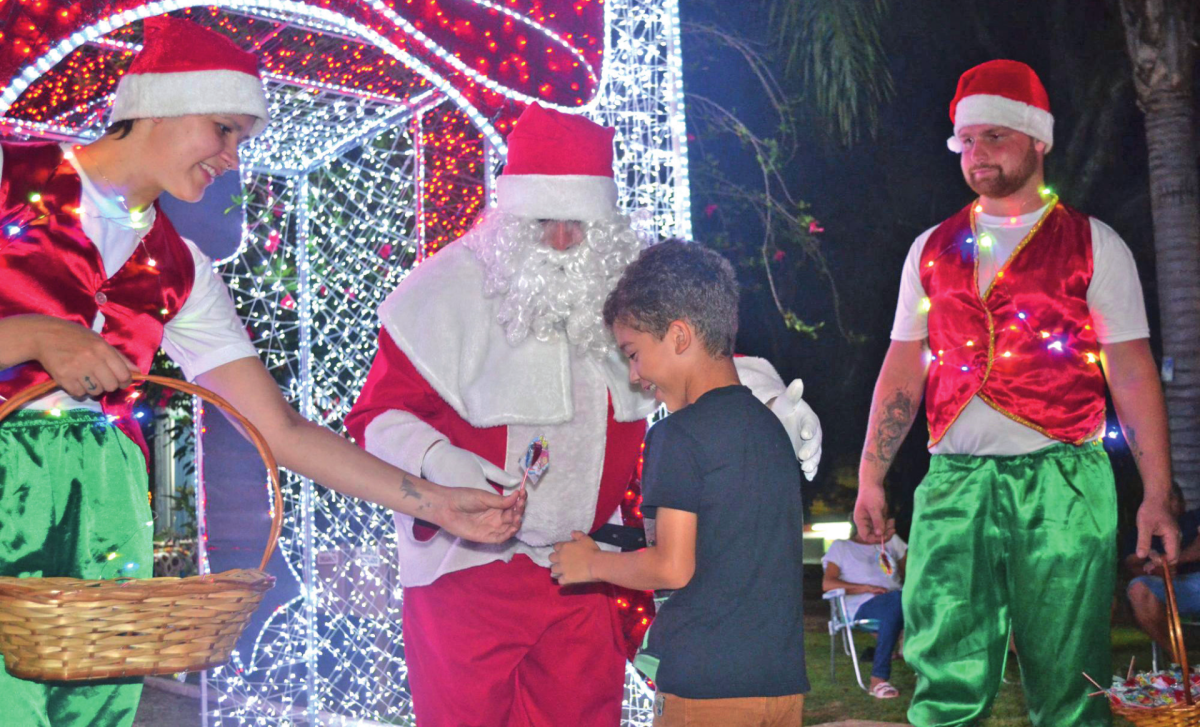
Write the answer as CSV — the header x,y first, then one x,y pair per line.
x,y
492,343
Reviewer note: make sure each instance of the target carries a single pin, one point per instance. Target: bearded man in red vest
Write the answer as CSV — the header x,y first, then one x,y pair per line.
x,y
1011,314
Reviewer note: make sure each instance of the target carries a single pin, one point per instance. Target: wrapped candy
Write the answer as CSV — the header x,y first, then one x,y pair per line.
x,y
1150,690
885,562
535,462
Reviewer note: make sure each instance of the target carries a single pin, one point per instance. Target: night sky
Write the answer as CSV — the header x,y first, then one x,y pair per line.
x,y
875,197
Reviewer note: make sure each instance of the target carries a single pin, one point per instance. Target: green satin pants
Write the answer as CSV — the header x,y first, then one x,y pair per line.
x,y
1027,541
73,502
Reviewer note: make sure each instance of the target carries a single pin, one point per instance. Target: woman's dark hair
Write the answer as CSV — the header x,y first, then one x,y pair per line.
x,y
120,128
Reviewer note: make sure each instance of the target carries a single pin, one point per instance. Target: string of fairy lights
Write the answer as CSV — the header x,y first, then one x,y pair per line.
x,y
1019,334
377,156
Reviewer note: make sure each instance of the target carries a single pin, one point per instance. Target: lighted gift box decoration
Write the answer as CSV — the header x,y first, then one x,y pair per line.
x,y
387,131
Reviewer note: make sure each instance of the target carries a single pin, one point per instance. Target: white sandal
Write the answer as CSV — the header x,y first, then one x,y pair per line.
x,y
884,690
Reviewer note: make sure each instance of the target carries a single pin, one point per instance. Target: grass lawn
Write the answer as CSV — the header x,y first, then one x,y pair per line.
x,y
843,700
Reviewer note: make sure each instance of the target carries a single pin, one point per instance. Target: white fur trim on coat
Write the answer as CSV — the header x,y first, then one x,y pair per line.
x,y
556,196
564,500
401,439
440,319
151,95
983,108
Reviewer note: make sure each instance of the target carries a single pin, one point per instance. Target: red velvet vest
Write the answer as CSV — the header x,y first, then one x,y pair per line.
x,y
1026,347
48,266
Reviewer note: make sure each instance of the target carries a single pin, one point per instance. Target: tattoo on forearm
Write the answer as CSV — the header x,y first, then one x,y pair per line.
x,y
1134,448
894,420
410,488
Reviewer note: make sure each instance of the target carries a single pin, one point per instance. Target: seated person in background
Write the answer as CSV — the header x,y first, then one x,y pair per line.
x,y
1147,594
872,575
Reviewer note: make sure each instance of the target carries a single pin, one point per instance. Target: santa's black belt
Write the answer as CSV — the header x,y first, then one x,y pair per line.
x,y
625,537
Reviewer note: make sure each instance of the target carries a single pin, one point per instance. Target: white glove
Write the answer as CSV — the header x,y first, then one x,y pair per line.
x,y
451,466
802,426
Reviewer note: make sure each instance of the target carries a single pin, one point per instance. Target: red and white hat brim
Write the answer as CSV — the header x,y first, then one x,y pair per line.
x,y
984,108
556,196
159,95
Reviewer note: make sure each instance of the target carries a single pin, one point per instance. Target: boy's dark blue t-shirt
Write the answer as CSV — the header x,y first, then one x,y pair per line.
x,y
737,629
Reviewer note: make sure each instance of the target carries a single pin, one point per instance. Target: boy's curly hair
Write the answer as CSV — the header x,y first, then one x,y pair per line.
x,y
677,280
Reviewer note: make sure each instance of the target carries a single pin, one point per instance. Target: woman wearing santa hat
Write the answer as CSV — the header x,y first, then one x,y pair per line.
x,y
93,281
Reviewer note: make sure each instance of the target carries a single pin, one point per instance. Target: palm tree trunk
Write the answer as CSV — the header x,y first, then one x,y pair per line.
x,y
1159,36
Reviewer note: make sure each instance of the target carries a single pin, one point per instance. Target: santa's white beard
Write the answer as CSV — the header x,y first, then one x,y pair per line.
x,y
548,292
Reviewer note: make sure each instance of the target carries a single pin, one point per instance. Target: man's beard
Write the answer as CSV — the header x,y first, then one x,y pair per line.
x,y
547,292
1004,185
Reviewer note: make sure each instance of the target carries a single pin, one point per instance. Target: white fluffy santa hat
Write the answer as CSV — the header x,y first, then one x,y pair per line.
x,y
184,68
1004,93
559,167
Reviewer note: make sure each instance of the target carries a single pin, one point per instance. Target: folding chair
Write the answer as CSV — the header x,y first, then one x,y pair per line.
x,y
840,621
1191,619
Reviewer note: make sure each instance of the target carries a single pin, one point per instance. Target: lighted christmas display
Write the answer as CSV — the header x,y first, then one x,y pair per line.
x,y
388,126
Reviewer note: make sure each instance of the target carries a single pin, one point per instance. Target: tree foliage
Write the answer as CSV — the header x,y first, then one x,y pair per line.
x,y
836,49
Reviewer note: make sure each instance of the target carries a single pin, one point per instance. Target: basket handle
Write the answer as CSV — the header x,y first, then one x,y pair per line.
x,y
260,443
1178,650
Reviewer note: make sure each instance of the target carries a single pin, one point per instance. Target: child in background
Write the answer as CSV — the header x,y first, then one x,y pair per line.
x,y
721,497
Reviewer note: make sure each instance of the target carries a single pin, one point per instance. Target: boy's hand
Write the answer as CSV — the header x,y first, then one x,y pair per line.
x,y
571,561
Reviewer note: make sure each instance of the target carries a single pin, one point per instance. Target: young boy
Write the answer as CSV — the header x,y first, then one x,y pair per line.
x,y
721,496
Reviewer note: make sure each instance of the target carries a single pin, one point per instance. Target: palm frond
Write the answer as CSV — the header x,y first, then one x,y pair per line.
x,y
835,49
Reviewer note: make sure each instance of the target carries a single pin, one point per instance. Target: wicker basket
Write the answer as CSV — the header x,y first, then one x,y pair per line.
x,y
1179,715
72,629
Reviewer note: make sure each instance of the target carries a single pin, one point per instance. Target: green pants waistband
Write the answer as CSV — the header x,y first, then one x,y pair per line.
x,y
1061,450
37,419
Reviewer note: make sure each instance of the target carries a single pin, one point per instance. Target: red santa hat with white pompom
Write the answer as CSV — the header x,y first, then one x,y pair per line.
x,y
1004,93
559,167
185,68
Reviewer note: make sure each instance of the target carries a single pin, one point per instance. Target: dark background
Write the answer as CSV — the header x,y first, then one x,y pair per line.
x,y
873,198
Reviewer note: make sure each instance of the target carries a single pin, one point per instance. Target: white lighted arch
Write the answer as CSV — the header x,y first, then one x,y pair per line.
x,y
103,27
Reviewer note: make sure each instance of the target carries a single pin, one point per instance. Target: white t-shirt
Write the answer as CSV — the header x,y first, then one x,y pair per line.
x,y
859,563
206,332
1114,299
